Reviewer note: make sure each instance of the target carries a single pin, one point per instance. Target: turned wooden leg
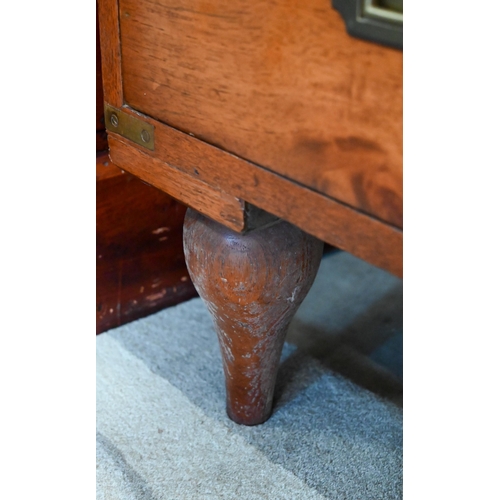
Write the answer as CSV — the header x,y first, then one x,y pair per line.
x,y
252,285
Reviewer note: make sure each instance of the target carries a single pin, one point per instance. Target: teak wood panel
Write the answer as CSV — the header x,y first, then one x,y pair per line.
x,y
279,83
180,161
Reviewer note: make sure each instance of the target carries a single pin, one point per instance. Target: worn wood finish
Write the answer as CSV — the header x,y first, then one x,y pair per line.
x,y
252,285
134,286
211,201
140,265
279,83
333,222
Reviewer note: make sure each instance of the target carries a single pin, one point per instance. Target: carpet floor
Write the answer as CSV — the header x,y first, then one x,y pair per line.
x,y
336,430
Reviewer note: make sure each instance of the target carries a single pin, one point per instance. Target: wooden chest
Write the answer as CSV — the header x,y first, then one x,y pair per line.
x,y
252,111
268,103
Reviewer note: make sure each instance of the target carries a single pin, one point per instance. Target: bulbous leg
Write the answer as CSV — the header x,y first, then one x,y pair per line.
x,y
252,285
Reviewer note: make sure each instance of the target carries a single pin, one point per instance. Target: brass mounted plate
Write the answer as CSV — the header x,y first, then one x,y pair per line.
x,y
130,127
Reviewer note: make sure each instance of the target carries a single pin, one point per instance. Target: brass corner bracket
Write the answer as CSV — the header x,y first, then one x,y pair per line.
x,y
132,128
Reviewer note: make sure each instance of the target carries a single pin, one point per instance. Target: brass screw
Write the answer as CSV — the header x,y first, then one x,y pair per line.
x,y
114,120
145,136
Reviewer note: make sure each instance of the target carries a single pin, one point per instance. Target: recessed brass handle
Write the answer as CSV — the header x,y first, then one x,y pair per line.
x,y
379,21
384,10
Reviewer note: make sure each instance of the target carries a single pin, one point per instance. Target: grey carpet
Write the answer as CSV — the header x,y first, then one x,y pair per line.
x,y
336,431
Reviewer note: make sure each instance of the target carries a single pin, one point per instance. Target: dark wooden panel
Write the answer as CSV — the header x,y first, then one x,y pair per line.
x,y
337,224
140,261
279,83
101,138
99,91
105,168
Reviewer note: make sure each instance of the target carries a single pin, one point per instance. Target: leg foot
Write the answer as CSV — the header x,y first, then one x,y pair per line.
x,y
252,285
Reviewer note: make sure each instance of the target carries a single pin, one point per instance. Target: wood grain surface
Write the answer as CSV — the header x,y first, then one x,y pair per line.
x,y
208,200
252,285
109,34
279,83
332,222
140,265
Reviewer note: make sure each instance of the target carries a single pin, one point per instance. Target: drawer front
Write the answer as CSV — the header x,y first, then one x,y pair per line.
x,y
280,84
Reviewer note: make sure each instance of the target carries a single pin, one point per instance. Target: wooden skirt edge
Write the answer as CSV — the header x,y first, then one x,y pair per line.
x,y
221,173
